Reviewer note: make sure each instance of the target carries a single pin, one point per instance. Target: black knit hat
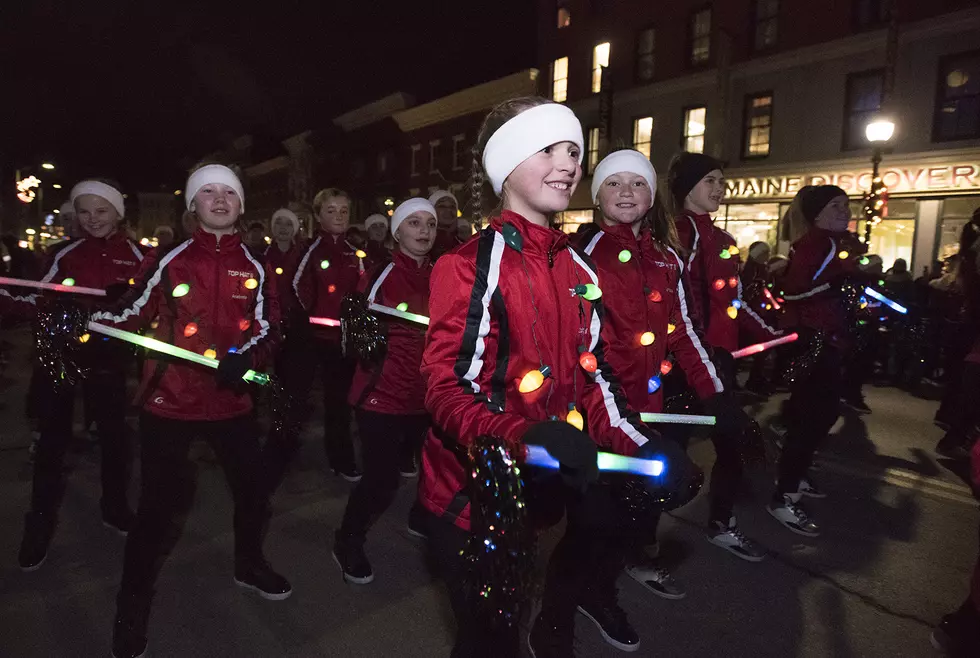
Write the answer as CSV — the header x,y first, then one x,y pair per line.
x,y
815,198
686,170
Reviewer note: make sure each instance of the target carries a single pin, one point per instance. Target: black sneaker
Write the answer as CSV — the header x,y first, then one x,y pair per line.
x,y
408,468
857,404
612,623
122,521
416,523
349,473
129,630
548,640
353,563
258,576
38,529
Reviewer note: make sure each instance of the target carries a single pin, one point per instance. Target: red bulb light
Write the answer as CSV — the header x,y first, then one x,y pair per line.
x,y
665,367
190,329
719,284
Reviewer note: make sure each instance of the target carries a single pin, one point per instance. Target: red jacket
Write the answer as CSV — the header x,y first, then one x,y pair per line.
x,y
492,323
712,270
328,270
810,282
395,385
643,294
283,266
446,240
90,262
232,301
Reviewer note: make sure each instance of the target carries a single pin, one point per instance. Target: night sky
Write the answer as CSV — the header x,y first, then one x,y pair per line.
x,y
129,89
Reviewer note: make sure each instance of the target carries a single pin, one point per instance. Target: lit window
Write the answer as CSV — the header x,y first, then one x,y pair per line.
x,y
416,149
758,125
642,133
700,36
592,158
434,156
458,151
862,102
957,114
646,43
564,14
559,80
600,60
766,23
694,121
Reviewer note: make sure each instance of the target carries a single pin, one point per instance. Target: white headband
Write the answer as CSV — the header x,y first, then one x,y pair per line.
x,y
526,134
107,192
209,175
438,195
288,214
375,219
406,208
627,160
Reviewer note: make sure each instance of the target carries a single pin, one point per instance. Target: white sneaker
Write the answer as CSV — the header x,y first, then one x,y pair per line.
x,y
791,514
808,489
732,540
656,579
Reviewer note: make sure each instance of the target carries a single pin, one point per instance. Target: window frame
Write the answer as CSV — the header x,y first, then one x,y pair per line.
x,y
684,121
554,81
846,123
757,22
591,150
634,124
940,97
747,128
563,6
457,140
691,38
434,144
416,149
637,55
596,68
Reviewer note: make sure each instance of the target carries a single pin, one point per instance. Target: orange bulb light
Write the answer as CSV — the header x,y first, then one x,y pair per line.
x,y
251,284
532,381
732,312
574,418
647,338
671,328
210,353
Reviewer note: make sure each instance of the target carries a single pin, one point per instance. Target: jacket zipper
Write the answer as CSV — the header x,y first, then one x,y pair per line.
x,y
216,288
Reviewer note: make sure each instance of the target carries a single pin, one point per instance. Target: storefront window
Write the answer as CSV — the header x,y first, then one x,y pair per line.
x,y
570,220
748,223
956,213
894,236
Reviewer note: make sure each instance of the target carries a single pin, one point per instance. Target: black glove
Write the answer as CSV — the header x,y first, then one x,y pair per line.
x,y
575,452
730,418
682,479
232,368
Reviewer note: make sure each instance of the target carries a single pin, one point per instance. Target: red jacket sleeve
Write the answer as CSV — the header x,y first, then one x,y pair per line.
x,y
690,240
686,347
304,281
455,364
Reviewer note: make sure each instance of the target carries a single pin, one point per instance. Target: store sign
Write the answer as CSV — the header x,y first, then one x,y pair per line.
x,y
947,178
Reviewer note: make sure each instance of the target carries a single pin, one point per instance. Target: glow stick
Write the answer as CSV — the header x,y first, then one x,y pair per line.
x,y
679,419
607,461
394,312
57,287
893,305
325,322
172,350
772,299
762,347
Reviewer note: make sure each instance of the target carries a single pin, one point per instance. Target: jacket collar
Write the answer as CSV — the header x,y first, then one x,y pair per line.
x,y
534,239
623,233
406,262
212,241
700,219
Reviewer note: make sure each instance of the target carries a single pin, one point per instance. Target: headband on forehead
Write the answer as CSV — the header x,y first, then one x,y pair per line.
x,y
406,208
107,192
526,134
209,175
627,160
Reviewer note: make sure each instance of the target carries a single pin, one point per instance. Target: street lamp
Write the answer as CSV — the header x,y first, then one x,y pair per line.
x,y
878,132
47,165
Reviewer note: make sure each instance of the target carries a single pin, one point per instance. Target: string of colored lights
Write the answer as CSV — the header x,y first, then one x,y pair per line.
x,y
762,347
606,461
68,285
171,350
677,419
893,305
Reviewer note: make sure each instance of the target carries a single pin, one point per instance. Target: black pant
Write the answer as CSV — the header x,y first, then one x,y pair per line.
x,y
385,439
812,409
965,418
583,567
168,484
297,365
105,390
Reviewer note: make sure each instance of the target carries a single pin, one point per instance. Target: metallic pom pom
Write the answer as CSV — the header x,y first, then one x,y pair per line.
x,y
361,331
808,352
500,553
285,421
57,336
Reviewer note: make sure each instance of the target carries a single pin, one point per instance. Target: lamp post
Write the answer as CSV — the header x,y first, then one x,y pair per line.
x,y
878,132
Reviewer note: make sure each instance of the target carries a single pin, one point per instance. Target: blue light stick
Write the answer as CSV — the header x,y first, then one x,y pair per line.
x,y
893,305
607,461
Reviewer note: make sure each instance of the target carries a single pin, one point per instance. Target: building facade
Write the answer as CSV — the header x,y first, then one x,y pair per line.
x,y
782,92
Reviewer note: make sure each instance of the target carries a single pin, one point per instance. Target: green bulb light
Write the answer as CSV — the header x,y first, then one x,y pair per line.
x,y
324,264
402,307
625,256
589,291
725,254
68,282
181,290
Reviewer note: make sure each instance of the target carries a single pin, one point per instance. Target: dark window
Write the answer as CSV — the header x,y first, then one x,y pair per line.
x,y
766,24
758,125
863,100
646,45
957,113
700,36
870,13
564,14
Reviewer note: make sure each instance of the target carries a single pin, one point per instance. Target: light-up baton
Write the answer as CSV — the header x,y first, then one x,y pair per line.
x,y
762,347
893,305
68,285
172,350
678,419
607,461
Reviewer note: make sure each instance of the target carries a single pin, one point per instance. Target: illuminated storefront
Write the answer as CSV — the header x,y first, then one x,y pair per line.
x,y
930,198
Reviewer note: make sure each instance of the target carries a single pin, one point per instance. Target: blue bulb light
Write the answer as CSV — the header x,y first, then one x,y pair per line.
x,y
653,385
736,303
